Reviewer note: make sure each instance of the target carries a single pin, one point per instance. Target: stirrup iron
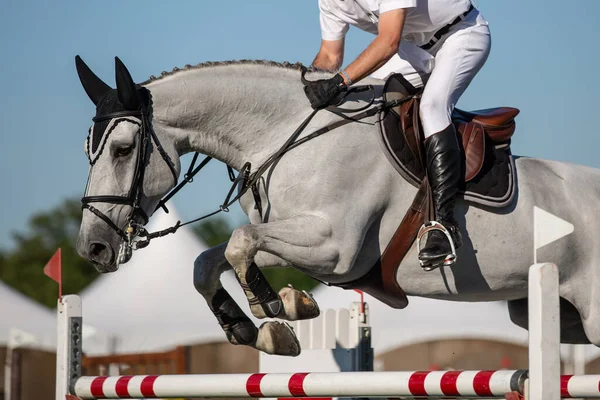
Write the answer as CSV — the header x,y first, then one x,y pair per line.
x,y
450,258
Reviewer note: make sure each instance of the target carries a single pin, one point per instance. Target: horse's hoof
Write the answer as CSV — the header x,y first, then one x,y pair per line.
x,y
277,338
298,304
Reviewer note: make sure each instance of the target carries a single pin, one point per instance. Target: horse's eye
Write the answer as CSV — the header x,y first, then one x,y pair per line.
x,y
123,151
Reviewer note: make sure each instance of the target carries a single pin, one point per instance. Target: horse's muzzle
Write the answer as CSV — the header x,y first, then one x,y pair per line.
x,y
100,254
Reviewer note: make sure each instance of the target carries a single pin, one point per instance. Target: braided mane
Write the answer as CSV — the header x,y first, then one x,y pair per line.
x,y
286,65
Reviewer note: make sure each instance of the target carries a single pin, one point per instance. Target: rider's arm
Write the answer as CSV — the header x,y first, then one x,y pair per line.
x,y
330,56
333,32
382,48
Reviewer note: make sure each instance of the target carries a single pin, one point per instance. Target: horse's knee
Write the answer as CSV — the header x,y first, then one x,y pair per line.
x,y
242,245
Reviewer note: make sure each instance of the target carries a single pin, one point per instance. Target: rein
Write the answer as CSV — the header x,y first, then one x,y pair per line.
x,y
248,180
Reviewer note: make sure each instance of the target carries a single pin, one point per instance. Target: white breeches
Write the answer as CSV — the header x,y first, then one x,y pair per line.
x,y
447,68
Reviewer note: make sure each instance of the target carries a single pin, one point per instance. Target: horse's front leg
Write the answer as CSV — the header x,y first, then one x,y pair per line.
x,y
272,337
304,240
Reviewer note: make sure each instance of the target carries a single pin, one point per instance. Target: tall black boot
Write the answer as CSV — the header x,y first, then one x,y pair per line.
x,y
444,170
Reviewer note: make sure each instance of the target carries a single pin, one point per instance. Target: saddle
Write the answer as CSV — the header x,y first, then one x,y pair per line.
x,y
490,176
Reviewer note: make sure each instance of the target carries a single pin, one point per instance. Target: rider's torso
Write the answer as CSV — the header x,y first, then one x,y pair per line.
x,y
422,20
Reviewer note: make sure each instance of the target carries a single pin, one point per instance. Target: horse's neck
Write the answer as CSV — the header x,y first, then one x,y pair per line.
x,y
234,113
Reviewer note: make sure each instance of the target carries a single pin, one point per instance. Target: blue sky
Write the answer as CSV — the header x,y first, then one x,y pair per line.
x,y
544,60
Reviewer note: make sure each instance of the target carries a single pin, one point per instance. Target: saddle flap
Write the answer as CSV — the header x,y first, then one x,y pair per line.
x,y
499,122
472,136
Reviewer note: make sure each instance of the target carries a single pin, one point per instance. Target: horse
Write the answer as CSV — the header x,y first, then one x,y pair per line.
x,y
328,207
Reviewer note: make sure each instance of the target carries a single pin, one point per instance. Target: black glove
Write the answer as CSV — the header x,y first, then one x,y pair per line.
x,y
323,92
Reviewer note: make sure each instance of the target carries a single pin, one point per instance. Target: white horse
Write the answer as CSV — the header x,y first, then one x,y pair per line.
x,y
329,207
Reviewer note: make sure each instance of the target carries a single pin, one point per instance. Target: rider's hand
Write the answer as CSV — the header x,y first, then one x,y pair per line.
x,y
324,92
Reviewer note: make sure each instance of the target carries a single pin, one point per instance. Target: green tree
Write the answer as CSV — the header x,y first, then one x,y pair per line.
x,y
213,231
22,267
217,230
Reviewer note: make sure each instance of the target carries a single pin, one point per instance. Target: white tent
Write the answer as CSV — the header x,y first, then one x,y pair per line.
x,y
25,321
150,303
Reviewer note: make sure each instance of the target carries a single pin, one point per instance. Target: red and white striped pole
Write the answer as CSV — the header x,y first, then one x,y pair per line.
x,y
338,384
579,386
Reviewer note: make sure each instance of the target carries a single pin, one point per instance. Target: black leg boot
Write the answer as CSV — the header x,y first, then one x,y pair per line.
x,y
443,159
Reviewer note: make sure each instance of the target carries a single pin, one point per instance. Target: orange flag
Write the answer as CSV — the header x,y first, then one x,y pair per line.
x,y
53,269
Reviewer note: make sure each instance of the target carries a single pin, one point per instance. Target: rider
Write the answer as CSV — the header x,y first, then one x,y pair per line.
x,y
441,42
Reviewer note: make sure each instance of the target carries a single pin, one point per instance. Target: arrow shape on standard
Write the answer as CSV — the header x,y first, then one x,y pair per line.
x,y
548,227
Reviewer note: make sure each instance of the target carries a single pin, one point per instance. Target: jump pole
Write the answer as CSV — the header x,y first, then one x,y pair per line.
x,y
472,384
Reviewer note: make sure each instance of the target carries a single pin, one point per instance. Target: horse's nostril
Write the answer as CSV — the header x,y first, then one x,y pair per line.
x,y
96,249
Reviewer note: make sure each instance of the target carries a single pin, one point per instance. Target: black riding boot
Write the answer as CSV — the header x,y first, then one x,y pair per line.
x,y
443,159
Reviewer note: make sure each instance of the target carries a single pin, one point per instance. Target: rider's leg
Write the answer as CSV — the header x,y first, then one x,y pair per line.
x,y
414,63
443,160
458,58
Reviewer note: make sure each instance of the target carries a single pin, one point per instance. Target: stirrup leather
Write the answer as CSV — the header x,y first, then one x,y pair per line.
x,y
436,226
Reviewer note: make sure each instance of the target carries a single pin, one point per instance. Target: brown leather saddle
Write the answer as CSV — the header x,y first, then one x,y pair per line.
x,y
490,175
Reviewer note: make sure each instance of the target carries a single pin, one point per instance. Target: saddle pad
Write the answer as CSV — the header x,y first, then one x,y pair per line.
x,y
493,186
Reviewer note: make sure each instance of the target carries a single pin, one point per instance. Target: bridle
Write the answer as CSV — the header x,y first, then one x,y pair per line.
x,y
245,179
137,216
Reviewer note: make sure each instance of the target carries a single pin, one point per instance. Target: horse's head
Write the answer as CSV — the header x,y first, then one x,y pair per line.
x,y
130,170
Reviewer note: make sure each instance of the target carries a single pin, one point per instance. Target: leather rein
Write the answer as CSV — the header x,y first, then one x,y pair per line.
x,y
246,179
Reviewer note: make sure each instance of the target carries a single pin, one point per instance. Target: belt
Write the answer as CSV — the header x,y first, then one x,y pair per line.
x,y
438,35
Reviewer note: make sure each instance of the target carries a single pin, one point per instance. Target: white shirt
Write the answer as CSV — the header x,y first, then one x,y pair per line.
x,y
423,17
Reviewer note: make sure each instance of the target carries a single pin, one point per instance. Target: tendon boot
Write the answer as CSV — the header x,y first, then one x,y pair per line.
x,y
444,170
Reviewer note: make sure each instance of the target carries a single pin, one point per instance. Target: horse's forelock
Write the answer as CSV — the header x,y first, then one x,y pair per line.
x,y
109,104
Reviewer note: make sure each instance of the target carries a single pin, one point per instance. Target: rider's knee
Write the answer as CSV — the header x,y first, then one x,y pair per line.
x,y
435,114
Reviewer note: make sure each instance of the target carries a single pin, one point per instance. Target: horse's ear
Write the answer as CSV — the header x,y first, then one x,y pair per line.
x,y
126,88
95,88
